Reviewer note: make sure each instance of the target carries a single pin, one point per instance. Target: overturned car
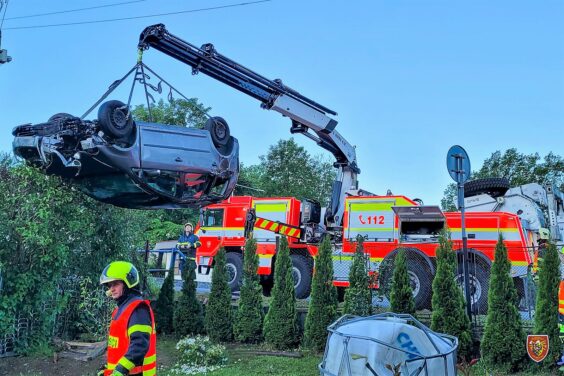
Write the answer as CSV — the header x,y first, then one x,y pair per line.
x,y
131,164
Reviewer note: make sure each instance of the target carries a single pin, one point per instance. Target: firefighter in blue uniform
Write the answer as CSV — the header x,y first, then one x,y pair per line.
x,y
188,243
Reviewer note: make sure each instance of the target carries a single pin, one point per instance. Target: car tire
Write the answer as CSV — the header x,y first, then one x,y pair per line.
x,y
495,187
302,273
115,119
219,131
234,269
479,285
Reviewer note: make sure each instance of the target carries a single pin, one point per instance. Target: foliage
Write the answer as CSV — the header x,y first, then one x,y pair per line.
x,y
280,324
181,112
94,311
546,312
188,312
198,355
449,313
401,295
218,320
323,304
502,343
519,168
164,306
249,318
358,298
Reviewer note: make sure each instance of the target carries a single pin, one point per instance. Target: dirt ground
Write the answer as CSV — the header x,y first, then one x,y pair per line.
x,y
44,366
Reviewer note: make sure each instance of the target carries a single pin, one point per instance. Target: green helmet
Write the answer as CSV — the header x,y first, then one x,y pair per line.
x,y
120,271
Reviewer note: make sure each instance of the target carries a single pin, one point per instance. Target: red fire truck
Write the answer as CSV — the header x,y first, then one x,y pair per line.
x,y
386,223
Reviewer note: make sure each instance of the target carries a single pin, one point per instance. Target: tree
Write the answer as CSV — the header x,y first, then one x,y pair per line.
x,y
188,313
323,303
358,298
503,341
401,295
181,112
219,318
546,312
280,324
249,319
164,306
289,170
449,314
519,168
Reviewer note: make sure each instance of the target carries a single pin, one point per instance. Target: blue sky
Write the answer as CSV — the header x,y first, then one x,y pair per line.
x,y
408,78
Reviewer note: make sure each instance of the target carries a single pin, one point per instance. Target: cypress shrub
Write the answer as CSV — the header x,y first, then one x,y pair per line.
x,y
546,313
449,313
323,303
218,319
401,295
503,343
249,319
188,313
358,299
164,306
280,324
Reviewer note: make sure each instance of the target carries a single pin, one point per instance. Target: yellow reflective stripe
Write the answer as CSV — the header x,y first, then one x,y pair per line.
x,y
370,229
126,363
519,263
265,256
150,372
150,359
343,258
139,328
292,232
211,228
111,366
273,226
270,208
560,301
384,206
490,229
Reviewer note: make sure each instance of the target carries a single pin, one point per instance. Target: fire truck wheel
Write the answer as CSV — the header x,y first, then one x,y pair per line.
x,y
420,279
495,187
301,272
479,285
234,266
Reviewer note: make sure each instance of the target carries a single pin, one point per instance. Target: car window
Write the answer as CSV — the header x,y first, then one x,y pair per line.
x,y
107,187
213,218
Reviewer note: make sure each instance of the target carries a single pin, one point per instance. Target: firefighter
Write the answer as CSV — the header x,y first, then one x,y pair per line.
x,y
189,242
132,338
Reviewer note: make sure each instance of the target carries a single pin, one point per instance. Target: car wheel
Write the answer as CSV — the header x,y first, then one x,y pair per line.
x,y
219,131
301,273
234,268
115,119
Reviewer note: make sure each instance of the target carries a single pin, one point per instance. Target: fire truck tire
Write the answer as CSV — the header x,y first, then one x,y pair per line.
x,y
302,273
495,187
479,285
234,266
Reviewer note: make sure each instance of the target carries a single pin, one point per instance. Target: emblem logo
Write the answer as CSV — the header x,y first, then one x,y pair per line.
x,y
537,347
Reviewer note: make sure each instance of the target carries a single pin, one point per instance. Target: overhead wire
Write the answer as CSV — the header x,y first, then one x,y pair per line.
x,y
139,17
75,10
3,4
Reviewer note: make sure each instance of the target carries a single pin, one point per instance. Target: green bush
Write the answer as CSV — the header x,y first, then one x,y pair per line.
x,y
219,320
188,313
249,318
449,313
164,306
198,355
546,313
401,295
280,324
323,304
358,297
503,341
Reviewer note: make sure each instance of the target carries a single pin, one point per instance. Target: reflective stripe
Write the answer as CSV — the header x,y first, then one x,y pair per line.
x,y
265,260
117,373
150,372
270,208
487,233
371,229
111,366
359,206
139,328
126,363
150,359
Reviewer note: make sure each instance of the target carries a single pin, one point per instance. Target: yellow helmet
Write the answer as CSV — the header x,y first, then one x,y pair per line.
x,y
120,271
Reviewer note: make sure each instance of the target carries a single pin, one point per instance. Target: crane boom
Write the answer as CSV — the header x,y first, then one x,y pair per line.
x,y
305,113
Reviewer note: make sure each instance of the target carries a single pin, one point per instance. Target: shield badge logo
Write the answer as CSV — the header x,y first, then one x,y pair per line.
x,y
537,347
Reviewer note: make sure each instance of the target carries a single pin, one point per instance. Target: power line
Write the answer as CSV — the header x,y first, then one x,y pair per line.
x,y
74,10
138,17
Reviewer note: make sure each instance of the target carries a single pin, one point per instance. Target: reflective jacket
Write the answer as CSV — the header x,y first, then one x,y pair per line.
x,y
188,244
121,329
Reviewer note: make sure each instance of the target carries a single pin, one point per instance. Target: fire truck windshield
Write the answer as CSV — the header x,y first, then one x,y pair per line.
x,y
212,218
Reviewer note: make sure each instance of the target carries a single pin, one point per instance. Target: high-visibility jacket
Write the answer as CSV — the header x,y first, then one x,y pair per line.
x,y
118,342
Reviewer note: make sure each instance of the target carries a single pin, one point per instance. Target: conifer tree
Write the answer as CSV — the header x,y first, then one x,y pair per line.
x,y
280,324
358,299
164,306
503,341
322,309
449,313
249,319
401,295
219,318
546,313
188,314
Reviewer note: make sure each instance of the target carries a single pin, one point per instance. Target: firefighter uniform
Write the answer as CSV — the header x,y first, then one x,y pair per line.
x,y
188,243
132,337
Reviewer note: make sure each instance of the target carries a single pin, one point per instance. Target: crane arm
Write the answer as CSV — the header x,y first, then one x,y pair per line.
x,y
309,118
